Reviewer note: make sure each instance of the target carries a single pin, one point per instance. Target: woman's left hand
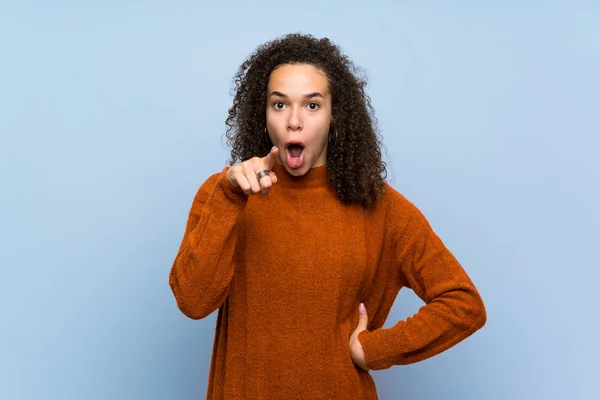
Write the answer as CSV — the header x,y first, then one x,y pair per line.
x,y
356,350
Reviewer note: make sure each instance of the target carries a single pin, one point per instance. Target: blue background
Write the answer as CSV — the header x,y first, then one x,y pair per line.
x,y
112,115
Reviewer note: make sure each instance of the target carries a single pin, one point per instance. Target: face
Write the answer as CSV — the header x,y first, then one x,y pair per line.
x,y
299,116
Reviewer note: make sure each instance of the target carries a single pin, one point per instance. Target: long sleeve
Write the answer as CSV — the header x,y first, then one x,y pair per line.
x,y
203,267
453,311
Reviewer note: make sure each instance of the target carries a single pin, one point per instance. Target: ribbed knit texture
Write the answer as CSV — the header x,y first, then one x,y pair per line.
x,y
287,272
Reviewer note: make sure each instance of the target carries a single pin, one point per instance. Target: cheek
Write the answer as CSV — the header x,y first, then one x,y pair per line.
x,y
276,119
276,129
321,130
271,121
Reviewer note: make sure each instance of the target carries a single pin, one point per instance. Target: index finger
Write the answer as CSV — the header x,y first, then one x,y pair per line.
x,y
271,158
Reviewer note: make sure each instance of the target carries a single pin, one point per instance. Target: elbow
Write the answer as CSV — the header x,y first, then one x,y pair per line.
x,y
192,312
479,313
198,298
194,305
186,303
190,307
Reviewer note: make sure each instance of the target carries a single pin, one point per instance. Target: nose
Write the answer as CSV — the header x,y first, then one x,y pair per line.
x,y
295,120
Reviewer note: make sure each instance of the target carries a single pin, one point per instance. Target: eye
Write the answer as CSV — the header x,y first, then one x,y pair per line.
x,y
313,106
278,105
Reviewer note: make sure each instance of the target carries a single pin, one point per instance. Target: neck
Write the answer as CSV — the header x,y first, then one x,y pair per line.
x,y
316,176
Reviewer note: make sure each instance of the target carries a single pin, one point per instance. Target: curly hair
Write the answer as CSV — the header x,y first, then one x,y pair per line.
x,y
355,169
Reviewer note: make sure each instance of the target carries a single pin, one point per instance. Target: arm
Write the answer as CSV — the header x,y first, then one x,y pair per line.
x,y
454,309
203,267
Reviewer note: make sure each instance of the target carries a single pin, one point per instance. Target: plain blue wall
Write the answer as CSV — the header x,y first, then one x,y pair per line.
x,y
112,114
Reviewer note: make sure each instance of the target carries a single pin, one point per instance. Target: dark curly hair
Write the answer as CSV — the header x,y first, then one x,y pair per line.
x,y
356,171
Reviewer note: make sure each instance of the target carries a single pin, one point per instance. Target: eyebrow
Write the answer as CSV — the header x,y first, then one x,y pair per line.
x,y
306,96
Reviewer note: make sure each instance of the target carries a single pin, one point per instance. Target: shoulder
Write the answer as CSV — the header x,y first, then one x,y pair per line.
x,y
401,214
214,177
210,182
398,204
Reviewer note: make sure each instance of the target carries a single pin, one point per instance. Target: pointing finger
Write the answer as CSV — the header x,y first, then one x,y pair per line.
x,y
271,158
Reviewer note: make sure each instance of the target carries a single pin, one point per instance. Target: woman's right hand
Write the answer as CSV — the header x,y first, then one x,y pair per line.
x,y
243,175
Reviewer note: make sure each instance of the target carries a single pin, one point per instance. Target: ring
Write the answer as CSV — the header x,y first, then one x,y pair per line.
x,y
262,174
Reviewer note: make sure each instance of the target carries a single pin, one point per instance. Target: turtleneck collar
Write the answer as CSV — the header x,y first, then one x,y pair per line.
x,y
316,176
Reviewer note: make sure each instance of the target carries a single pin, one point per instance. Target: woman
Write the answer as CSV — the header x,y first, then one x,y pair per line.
x,y
300,232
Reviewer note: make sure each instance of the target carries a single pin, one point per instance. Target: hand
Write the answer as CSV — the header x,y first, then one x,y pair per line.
x,y
356,350
243,175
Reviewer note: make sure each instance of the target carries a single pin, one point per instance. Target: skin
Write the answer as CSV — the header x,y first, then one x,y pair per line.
x,y
298,109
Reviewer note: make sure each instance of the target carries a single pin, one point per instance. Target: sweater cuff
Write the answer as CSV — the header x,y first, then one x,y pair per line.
x,y
377,352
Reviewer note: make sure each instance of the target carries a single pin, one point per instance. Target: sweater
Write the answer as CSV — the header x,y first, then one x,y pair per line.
x,y
287,271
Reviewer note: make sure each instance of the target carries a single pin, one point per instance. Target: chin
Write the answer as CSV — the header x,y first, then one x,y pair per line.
x,y
296,171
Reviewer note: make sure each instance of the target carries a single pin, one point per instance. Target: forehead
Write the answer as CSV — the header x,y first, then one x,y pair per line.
x,y
298,79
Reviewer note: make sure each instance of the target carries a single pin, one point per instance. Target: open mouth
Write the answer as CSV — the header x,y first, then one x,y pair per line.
x,y
295,154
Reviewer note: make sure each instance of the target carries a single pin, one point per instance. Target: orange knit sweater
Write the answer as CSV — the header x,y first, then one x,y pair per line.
x,y
287,272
